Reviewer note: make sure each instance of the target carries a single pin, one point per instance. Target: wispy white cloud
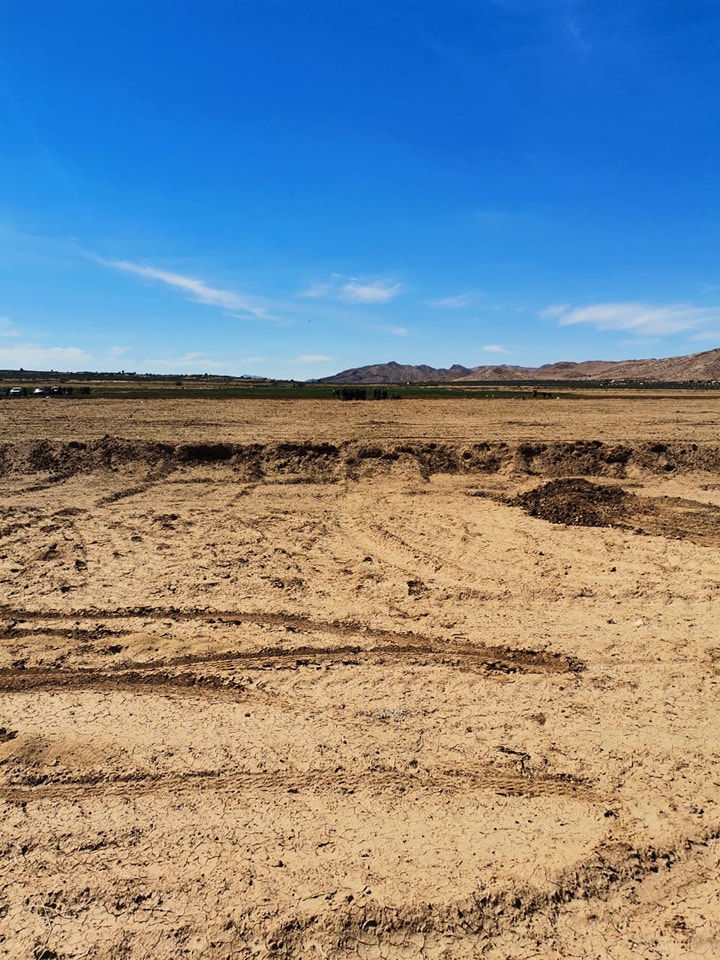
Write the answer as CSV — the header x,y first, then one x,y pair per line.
x,y
572,25
554,311
379,291
317,291
383,328
644,318
196,290
562,14
639,343
34,356
494,348
7,329
707,335
354,290
574,31
313,358
191,362
457,302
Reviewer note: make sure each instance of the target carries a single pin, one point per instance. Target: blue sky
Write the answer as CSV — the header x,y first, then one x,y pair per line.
x,y
293,187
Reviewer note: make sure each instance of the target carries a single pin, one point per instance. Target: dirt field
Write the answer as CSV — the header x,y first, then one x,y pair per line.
x,y
360,680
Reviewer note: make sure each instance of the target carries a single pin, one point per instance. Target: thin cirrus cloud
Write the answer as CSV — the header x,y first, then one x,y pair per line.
x,y
196,290
642,318
353,290
708,335
36,356
191,361
457,302
495,348
313,358
394,331
7,329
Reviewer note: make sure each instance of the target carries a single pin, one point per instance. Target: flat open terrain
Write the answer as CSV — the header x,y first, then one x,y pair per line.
x,y
360,680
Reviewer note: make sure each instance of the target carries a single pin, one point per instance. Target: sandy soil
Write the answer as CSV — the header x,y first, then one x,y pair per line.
x,y
432,679
683,415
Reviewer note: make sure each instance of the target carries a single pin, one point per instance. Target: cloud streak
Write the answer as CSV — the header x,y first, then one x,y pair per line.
x,y
7,329
34,356
455,303
354,290
642,318
191,362
709,335
195,290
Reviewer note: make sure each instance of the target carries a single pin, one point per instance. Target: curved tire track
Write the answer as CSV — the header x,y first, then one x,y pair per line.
x,y
158,675
37,787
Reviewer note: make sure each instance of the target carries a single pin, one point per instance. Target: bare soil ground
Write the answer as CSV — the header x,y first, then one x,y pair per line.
x,y
317,679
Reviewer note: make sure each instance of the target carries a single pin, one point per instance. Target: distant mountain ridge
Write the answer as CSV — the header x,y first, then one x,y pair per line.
x,y
703,366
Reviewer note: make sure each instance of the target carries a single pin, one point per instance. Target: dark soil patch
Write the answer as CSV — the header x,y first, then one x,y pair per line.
x,y
578,502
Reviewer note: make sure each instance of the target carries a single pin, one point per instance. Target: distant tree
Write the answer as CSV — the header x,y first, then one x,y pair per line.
x,y
353,393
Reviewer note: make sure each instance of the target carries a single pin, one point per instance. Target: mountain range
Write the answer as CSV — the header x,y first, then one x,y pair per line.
x,y
703,366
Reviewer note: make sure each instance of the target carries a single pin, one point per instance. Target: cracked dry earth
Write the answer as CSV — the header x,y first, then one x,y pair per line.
x,y
271,694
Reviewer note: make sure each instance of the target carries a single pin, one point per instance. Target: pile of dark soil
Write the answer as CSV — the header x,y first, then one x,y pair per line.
x,y
577,502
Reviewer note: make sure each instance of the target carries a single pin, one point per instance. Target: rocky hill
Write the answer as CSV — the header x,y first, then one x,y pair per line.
x,y
399,373
696,366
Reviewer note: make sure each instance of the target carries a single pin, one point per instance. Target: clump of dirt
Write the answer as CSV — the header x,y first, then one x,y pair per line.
x,y
577,502
204,452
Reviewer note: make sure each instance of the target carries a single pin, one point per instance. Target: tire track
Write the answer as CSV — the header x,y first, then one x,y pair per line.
x,y
404,643
124,494
487,659
86,635
377,540
34,678
134,674
458,569
38,787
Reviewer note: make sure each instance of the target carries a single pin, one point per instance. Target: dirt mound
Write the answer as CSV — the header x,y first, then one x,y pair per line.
x,y
577,502
328,462
594,458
